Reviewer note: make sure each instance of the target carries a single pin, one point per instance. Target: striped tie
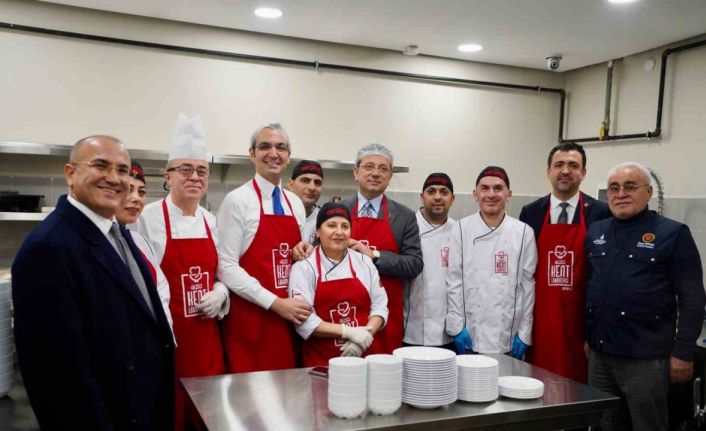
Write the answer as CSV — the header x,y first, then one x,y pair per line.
x,y
124,250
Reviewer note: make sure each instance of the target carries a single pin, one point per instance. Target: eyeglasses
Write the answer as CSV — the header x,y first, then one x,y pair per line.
x,y
188,170
369,167
628,188
105,168
281,147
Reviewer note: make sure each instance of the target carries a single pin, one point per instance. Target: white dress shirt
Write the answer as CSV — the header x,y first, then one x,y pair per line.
x,y
151,226
556,209
302,283
103,224
239,218
375,202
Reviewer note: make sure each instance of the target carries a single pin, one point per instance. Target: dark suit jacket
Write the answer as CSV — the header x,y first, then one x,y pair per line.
x,y
408,264
91,354
533,213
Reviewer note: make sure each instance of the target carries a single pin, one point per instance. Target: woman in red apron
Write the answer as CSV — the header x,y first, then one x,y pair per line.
x,y
190,267
558,333
256,339
348,313
378,233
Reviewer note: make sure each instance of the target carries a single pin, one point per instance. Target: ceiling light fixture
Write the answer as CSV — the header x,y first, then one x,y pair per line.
x,y
268,12
470,47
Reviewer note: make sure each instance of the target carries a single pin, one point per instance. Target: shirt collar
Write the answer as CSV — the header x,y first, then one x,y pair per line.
x,y
375,202
175,210
573,202
266,187
103,224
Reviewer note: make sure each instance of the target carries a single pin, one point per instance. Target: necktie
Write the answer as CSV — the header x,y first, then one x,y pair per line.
x,y
563,215
367,210
277,202
124,250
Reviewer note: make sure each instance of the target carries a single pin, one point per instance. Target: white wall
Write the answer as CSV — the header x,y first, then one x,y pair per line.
x,y
56,90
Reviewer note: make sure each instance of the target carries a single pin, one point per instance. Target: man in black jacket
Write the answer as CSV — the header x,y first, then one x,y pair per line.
x,y
560,220
644,272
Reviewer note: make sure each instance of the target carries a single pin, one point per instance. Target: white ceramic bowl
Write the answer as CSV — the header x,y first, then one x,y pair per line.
x,y
348,379
7,368
345,397
342,388
347,410
384,374
389,363
6,323
347,365
384,408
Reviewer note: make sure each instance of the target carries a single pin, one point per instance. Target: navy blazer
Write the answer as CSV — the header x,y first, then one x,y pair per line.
x,y
91,354
534,212
408,264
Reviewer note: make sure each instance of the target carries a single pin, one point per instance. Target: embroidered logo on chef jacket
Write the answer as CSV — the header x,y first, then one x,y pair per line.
x,y
646,242
343,314
444,257
561,268
501,263
281,264
600,241
193,286
312,238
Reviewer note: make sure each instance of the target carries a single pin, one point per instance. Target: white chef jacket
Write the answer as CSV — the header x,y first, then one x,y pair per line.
x,y
556,209
490,282
238,219
425,301
309,228
302,283
151,226
162,284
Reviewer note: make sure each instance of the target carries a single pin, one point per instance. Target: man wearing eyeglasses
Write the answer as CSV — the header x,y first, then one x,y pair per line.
x,y
560,220
386,231
184,237
644,302
260,225
93,342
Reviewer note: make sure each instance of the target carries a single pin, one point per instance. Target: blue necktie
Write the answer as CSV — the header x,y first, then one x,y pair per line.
x,y
277,202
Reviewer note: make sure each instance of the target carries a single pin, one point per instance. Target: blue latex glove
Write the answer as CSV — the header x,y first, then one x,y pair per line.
x,y
518,348
463,342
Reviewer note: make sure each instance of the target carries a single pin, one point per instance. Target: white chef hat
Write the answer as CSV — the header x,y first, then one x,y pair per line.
x,y
189,141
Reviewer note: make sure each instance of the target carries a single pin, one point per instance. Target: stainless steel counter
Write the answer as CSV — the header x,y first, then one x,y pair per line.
x,y
295,400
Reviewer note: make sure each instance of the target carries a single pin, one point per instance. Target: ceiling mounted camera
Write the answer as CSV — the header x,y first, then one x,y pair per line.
x,y
553,62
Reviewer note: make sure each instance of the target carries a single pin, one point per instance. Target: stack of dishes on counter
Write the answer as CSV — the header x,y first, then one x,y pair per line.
x,y
429,376
347,386
477,378
384,384
7,345
520,387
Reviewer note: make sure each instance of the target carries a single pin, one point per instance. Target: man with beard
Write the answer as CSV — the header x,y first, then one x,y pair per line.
x,y
306,182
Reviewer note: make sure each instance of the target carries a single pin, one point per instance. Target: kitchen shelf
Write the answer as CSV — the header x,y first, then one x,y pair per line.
x,y
12,216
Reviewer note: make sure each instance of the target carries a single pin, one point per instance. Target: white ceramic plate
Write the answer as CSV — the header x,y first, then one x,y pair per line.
x,y
421,353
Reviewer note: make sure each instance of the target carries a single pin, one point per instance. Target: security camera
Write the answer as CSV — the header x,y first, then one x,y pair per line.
x,y
553,62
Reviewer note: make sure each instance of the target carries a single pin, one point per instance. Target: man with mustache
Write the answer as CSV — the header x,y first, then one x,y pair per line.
x,y
306,182
490,279
560,221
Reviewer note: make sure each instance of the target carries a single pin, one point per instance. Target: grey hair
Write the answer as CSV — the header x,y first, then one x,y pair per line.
x,y
374,149
274,126
632,165
81,142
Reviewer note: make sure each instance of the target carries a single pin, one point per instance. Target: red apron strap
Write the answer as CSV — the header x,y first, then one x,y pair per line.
x,y
167,224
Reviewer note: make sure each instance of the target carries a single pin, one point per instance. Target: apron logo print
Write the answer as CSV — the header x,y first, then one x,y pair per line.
x,y
284,249
195,273
281,264
444,257
343,314
560,271
501,263
560,251
194,285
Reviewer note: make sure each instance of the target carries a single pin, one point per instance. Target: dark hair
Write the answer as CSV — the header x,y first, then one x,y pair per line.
x,y
567,146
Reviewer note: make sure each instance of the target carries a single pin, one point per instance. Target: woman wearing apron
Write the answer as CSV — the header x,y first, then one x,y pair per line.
x,y
343,286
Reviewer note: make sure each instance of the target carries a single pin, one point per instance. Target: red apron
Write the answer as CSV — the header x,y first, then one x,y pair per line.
x,y
378,233
189,264
345,301
558,334
256,339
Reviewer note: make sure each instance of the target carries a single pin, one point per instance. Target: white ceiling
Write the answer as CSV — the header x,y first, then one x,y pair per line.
x,y
513,32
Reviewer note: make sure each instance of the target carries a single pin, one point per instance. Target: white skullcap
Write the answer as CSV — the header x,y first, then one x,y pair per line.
x,y
189,141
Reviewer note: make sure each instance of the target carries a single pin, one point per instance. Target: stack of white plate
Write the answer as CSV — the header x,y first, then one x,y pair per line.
x,y
477,378
384,384
520,387
429,376
7,344
347,386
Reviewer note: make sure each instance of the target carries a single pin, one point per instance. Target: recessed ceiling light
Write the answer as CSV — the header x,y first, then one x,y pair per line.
x,y
469,47
268,12
621,1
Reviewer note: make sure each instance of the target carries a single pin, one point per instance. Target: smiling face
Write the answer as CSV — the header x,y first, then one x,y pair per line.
x,y
492,194
134,202
271,154
628,192
565,172
98,174
373,175
186,188
437,201
308,188
334,234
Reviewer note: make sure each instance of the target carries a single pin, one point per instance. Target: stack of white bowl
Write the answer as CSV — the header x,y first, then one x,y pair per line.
x,y
524,388
384,384
347,386
477,378
429,376
7,345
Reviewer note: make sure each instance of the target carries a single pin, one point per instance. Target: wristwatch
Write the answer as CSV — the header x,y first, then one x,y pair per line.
x,y
376,256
